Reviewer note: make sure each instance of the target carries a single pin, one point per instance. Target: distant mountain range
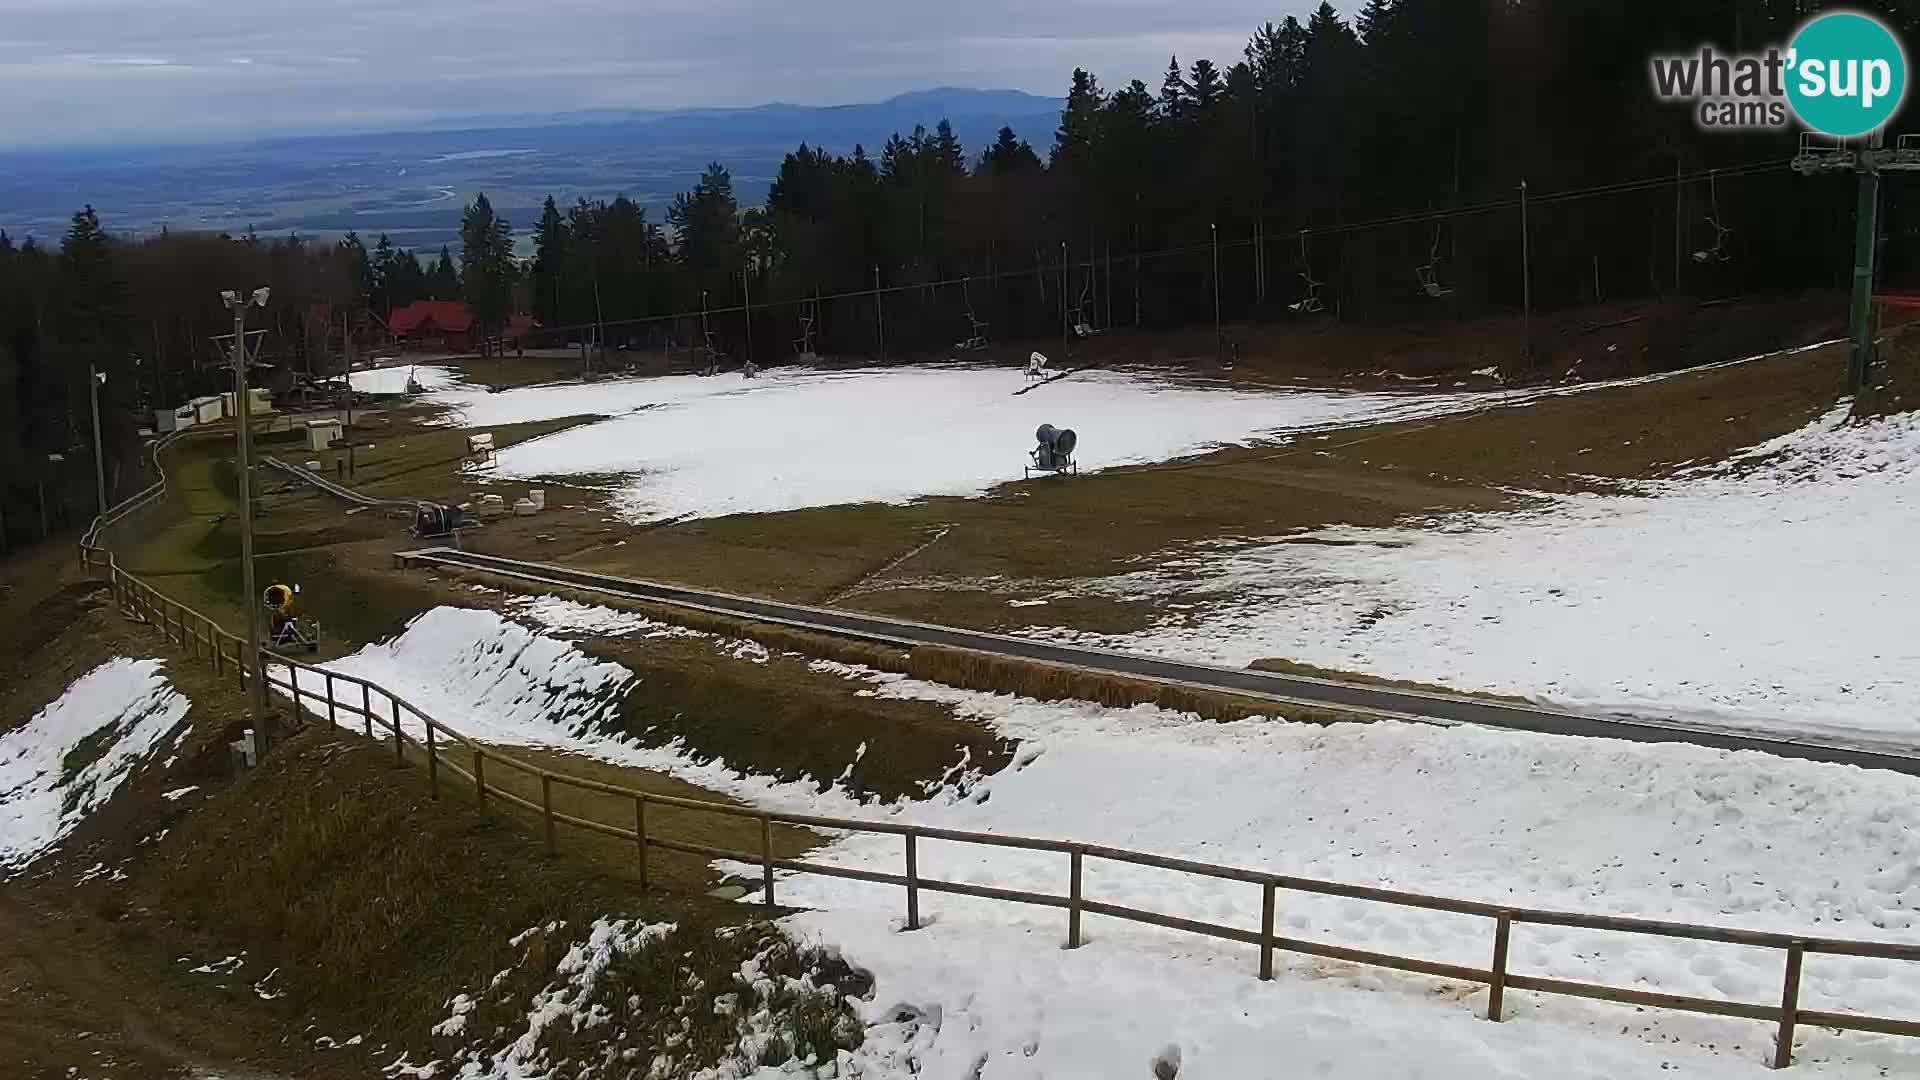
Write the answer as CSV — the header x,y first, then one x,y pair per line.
x,y
412,183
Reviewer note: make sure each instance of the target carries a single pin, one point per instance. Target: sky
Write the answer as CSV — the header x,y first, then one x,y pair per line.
x,y
90,71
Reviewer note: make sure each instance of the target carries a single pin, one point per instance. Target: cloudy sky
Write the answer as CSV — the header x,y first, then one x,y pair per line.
x,y
105,70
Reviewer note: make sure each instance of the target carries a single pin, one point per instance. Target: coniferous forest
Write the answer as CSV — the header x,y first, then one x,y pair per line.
x,y
1360,167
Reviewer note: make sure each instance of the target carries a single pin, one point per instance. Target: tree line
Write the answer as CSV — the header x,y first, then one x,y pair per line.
x,y
1370,164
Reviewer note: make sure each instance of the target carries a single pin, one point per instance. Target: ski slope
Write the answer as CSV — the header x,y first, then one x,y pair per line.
x,y
1668,831
1773,591
798,437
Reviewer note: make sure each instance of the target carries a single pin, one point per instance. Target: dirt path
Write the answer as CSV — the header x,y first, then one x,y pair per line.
x,y
69,1011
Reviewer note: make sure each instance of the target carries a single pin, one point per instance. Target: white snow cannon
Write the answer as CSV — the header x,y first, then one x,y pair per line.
x,y
1037,366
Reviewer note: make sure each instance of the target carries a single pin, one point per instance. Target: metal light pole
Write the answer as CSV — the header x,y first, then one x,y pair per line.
x,y
1526,277
257,675
1064,340
879,316
1213,228
95,379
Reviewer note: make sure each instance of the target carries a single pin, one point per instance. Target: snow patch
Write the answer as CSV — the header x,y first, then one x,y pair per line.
x,y
113,717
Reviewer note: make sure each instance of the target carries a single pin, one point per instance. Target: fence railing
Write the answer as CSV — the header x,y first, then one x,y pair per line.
x,y
317,691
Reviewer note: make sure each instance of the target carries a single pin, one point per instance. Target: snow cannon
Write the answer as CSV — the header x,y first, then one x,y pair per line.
x,y
1055,452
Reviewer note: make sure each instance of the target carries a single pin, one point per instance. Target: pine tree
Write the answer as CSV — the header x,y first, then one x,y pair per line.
x,y
94,308
1205,87
487,268
1009,154
706,223
1174,93
551,241
443,281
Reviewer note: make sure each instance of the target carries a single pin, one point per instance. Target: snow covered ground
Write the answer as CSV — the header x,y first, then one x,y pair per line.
x,y
797,437
393,380
113,717
1776,590
1664,831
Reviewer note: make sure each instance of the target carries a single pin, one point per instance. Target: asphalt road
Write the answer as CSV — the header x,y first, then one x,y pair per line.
x,y
1359,698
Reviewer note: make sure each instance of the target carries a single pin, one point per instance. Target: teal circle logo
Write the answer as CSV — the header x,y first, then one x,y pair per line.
x,y
1847,74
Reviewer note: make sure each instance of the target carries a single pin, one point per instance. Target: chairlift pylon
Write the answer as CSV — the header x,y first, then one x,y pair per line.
x,y
1718,251
1308,304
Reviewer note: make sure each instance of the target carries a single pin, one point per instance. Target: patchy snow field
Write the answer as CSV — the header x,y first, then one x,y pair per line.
x,y
112,719
393,380
797,437
1776,590
1665,831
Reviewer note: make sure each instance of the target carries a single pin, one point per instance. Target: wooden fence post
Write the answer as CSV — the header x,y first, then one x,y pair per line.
x,y
546,808
913,883
332,714
480,777
399,744
293,685
640,834
1073,902
1497,986
1789,1007
766,855
366,708
240,663
1268,901
433,761
219,654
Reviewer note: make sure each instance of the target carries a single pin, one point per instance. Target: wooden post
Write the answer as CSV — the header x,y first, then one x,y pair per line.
x,y
546,808
1073,902
332,713
293,685
219,654
766,855
913,883
480,777
366,708
433,763
640,834
1497,986
240,663
1789,1007
1267,903
399,744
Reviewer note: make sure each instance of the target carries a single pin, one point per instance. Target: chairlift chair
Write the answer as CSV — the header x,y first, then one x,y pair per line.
x,y
1429,275
803,345
1082,326
976,330
1718,251
1308,304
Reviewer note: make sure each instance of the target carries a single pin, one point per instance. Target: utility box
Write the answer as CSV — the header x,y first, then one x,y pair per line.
x,y
178,418
322,434
208,409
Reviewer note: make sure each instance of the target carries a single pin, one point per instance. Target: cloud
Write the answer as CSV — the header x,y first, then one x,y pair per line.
x,y
96,70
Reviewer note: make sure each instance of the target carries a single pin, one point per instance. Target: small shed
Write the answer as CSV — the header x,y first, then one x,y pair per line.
x,y
177,418
322,434
261,397
207,409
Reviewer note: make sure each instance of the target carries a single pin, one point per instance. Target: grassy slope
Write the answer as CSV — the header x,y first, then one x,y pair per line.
x,y
375,900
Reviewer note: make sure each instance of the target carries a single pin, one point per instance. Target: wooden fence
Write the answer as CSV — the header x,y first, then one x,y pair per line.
x,y
318,691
